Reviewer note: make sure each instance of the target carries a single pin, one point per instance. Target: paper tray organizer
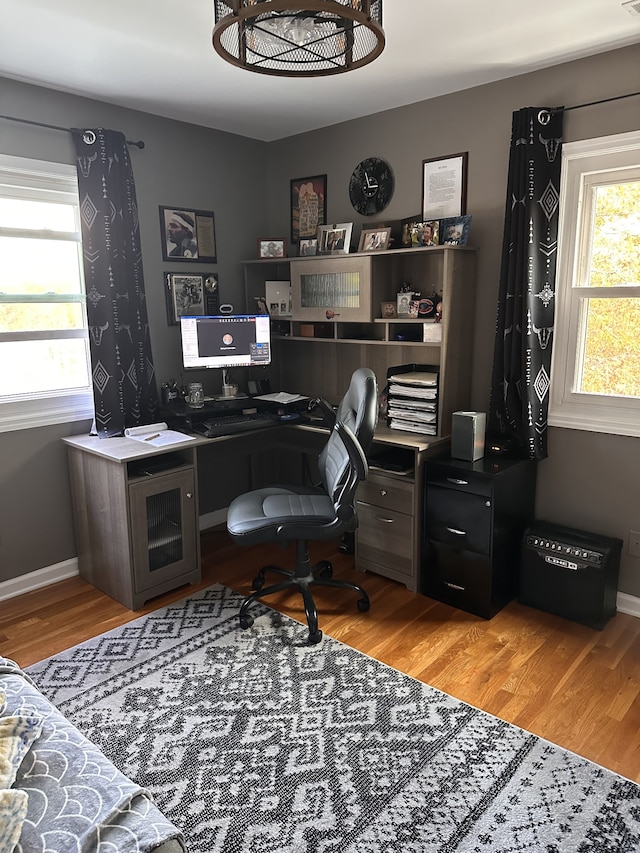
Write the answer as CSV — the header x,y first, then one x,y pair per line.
x,y
412,398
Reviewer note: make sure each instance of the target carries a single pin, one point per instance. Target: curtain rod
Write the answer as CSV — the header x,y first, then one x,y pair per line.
x,y
139,144
545,115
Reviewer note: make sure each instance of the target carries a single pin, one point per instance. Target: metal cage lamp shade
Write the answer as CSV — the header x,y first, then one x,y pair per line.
x,y
298,39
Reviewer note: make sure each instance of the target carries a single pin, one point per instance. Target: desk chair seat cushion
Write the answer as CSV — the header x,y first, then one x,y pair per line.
x,y
257,516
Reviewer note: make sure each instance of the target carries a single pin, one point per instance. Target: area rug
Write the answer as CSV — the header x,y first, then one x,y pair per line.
x,y
255,741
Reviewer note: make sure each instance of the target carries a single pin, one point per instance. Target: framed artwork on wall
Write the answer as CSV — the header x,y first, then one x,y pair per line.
x,y
444,186
188,235
190,295
308,206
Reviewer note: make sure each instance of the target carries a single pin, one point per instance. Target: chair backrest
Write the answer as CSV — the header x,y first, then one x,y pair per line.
x,y
358,411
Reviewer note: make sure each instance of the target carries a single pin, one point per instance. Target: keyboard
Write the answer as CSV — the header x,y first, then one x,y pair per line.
x,y
230,424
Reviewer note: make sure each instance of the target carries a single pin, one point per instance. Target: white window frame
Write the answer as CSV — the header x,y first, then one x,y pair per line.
x,y
585,163
44,181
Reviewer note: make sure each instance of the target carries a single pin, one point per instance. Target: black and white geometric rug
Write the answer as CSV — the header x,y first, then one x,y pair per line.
x,y
255,742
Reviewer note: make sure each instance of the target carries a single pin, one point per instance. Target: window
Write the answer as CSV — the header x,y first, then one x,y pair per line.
x,y
595,373
44,347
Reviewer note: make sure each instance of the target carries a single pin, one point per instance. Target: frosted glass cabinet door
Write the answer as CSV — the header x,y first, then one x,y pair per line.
x,y
164,528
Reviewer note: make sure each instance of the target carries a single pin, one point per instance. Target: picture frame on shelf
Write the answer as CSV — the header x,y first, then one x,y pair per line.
x,y
334,239
308,207
278,298
425,233
189,295
388,310
374,239
188,235
444,186
272,247
308,247
454,230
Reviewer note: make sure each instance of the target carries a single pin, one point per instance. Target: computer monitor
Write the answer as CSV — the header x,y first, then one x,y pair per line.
x,y
232,340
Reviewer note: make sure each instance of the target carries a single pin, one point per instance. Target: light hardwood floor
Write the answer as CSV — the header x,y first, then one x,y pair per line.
x,y
570,684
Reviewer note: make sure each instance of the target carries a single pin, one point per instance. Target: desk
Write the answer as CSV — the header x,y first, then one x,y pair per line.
x,y
136,508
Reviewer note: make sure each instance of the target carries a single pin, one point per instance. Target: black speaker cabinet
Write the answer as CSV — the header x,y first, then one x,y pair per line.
x,y
570,573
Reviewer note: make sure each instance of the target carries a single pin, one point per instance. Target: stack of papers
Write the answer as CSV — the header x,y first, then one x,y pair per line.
x,y
157,435
413,402
281,397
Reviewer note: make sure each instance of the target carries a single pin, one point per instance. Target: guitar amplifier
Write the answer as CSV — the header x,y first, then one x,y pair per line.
x,y
570,573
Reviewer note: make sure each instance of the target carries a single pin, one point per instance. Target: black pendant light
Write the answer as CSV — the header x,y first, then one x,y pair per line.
x,y
298,39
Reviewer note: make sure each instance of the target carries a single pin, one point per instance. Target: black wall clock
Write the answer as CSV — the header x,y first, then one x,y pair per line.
x,y
371,186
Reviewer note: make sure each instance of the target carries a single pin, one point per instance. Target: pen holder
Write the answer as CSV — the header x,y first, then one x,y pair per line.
x,y
229,390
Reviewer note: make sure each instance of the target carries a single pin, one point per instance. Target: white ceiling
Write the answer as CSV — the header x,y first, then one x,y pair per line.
x,y
157,56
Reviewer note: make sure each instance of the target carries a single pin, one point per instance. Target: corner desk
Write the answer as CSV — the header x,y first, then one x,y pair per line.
x,y
137,508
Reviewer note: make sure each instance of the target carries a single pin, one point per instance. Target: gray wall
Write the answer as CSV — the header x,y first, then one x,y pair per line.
x,y
181,165
589,481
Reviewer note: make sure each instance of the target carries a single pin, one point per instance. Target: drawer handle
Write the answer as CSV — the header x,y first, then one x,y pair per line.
x,y
457,482
455,586
386,520
457,532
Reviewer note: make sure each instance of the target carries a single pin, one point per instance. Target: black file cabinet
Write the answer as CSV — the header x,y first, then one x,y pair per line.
x,y
475,516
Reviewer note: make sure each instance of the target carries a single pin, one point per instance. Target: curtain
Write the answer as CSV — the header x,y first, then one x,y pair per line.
x,y
124,388
524,326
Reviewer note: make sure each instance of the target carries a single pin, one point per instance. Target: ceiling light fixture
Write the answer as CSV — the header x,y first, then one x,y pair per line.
x,y
295,38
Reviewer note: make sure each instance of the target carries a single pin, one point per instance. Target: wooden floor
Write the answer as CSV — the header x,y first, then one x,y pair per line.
x,y
572,685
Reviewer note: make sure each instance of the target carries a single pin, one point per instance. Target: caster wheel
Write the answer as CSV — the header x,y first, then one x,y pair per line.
x,y
315,638
363,605
257,584
246,622
325,570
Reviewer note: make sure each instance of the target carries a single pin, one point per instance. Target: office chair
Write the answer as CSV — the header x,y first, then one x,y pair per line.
x,y
313,512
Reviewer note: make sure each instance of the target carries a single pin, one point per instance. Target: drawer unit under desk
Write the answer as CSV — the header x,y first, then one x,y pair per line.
x,y
387,536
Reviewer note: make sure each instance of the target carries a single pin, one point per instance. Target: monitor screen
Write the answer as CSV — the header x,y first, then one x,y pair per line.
x,y
239,340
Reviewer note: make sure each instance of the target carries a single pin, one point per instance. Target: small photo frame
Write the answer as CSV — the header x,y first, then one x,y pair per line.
x,y
191,295
334,239
454,231
444,186
188,235
307,247
272,247
374,239
388,310
278,298
416,233
403,304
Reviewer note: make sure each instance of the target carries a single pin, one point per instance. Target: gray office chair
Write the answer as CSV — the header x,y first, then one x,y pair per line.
x,y
304,513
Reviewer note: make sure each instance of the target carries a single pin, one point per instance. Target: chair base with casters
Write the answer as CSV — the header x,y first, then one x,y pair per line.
x,y
303,578
305,513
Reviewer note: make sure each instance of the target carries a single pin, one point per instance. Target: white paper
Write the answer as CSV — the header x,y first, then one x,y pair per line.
x,y
281,397
156,435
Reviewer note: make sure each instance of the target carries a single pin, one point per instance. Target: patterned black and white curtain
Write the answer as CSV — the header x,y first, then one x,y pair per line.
x,y
524,326
124,388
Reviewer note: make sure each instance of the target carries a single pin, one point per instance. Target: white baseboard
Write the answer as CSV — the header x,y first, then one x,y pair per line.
x,y
69,568
38,579
628,604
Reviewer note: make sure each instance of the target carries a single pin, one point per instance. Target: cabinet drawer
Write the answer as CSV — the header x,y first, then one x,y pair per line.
x,y
461,481
458,578
464,521
385,538
387,492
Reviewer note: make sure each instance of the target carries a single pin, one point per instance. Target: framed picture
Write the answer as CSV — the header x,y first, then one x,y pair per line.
x,y
374,239
308,206
191,294
278,298
415,232
335,239
444,186
188,235
272,247
454,231
307,247
388,310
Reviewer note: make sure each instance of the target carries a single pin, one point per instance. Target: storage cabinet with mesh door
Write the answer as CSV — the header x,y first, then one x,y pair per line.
x,y
475,516
136,518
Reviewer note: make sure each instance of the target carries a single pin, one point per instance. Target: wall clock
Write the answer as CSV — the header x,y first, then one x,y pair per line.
x,y
371,186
